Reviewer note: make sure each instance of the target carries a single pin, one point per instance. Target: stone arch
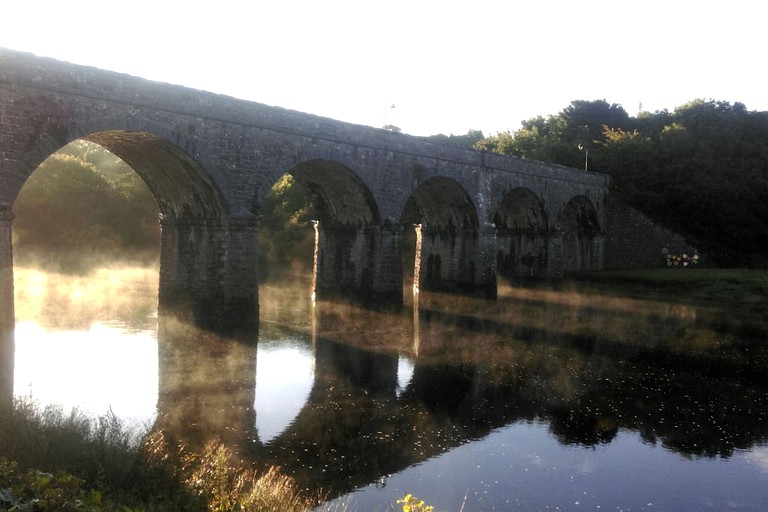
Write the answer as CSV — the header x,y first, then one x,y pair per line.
x,y
449,228
442,204
182,187
521,234
184,184
348,226
207,270
581,232
315,160
204,253
340,195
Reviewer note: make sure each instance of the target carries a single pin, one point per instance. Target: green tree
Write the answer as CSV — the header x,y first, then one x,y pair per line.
x,y
72,213
286,236
468,140
702,169
562,138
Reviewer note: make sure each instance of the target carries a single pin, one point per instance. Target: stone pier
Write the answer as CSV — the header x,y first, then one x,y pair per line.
x,y
7,321
209,270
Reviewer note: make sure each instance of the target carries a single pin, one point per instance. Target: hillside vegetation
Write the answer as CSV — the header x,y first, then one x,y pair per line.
x,y
701,170
84,207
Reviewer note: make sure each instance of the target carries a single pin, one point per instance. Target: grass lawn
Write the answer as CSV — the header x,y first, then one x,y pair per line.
x,y
744,288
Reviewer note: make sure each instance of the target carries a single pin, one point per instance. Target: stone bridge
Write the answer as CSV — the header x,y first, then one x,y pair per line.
x,y
210,160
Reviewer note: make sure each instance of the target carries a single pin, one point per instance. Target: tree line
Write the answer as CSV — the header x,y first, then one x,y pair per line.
x,y
701,170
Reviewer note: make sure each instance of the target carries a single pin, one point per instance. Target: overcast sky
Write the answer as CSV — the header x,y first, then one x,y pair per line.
x,y
446,66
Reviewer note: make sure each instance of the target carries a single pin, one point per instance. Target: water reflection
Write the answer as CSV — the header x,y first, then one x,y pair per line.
x,y
124,296
78,349
545,398
284,379
207,383
601,372
522,467
101,369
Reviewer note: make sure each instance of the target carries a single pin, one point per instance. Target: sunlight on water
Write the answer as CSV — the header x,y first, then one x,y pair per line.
x,y
88,341
96,370
127,295
284,379
405,369
760,458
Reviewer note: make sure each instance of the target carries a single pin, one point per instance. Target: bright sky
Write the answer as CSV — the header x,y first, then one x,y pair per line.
x,y
447,66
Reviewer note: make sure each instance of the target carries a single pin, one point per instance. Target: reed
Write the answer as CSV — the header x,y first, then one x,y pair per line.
x,y
90,463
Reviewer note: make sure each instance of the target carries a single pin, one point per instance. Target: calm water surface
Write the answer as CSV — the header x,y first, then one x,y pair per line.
x,y
546,400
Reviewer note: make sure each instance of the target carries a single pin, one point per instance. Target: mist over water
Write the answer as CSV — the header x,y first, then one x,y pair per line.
x,y
95,370
123,295
88,341
546,399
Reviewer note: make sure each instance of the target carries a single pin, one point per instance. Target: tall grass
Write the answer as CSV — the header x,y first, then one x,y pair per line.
x,y
49,439
224,481
100,453
90,463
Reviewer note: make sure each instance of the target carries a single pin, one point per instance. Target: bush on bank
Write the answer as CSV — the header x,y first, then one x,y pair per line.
x,y
61,462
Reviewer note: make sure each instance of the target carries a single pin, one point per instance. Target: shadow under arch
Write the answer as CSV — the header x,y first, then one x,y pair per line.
x,y
341,197
348,229
522,235
581,234
449,258
181,186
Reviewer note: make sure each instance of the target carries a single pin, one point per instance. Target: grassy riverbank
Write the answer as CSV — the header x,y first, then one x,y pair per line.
x,y
701,286
734,299
51,460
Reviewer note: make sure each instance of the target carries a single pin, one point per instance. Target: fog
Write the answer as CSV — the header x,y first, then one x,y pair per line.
x,y
64,301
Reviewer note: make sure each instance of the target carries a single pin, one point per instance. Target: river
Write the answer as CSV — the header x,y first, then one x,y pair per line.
x,y
549,399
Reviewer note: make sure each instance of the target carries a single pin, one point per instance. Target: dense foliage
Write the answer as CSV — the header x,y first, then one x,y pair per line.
x,y
701,170
468,140
54,460
84,206
286,237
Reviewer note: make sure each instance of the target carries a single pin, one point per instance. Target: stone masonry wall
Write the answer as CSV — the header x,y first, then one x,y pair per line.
x,y
633,240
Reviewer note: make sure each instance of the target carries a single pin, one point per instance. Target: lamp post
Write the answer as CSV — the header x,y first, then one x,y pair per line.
x,y
582,147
